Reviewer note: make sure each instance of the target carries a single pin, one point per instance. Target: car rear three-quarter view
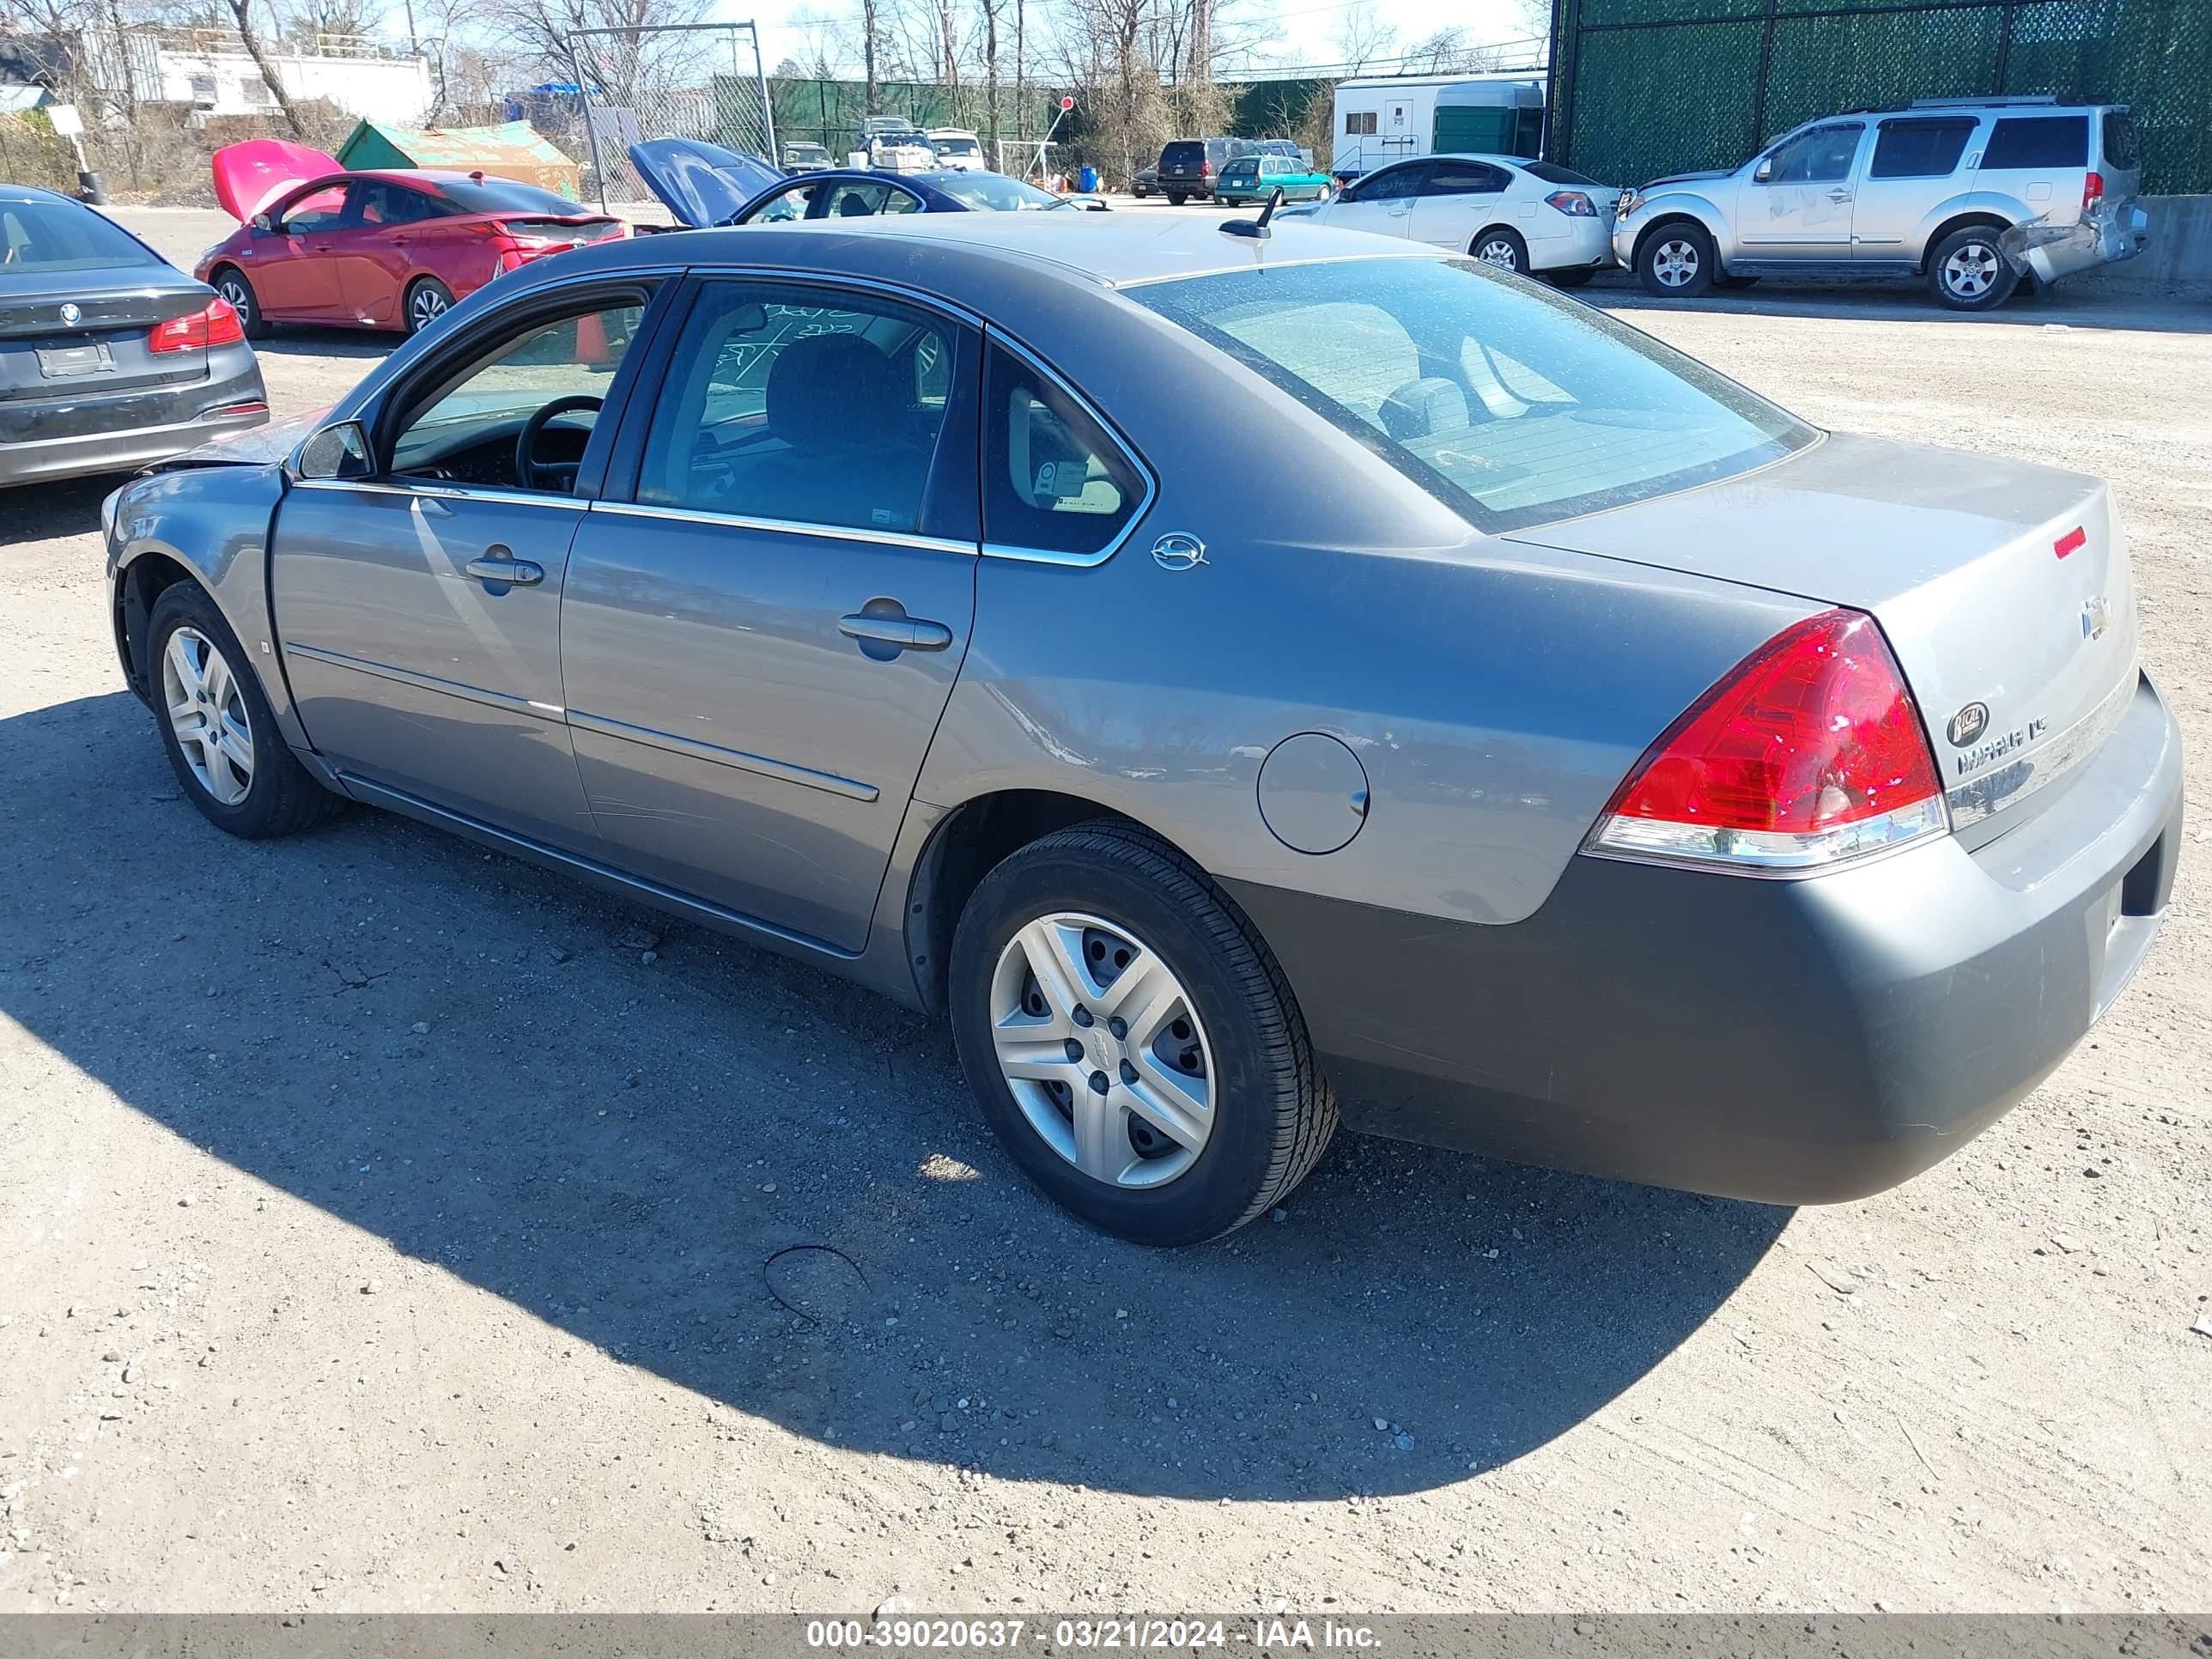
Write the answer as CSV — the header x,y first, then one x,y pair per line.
x,y
110,357
1573,758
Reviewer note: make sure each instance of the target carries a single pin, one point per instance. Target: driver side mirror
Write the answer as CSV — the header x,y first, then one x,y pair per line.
x,y
264,224
1765,173
336,451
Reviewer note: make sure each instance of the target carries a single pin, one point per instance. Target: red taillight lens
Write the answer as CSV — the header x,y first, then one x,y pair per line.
x,y
217,324
1205,169
1572,203
1810,752
2093,190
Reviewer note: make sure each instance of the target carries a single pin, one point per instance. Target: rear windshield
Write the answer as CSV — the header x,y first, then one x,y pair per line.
x,y
506,195
1511,405
1183,154
2039,140
2120,139
61,236
994,192
1552,173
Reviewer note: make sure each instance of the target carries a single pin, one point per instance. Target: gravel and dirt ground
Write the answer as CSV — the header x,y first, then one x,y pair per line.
x,y
391,1227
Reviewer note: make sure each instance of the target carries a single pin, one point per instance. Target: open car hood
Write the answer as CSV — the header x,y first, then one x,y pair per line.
x,y
248,177
701,184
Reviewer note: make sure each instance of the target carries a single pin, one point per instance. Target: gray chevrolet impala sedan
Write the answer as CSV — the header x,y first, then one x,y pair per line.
x,y
1237,682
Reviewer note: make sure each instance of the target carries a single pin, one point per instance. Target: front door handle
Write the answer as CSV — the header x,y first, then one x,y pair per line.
x,y
1840,196
883,634
502,569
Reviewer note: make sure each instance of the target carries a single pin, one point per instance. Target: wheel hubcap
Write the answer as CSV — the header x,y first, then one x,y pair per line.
x,y
1972,270
1675,264
206,714
239,301
429,306
1499,254
1102,1049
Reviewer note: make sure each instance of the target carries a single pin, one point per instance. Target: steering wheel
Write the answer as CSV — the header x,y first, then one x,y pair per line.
x,y
530,472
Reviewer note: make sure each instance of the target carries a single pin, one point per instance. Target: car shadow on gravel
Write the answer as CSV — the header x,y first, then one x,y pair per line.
x,y
2069,306
41,511
301,341
737,1174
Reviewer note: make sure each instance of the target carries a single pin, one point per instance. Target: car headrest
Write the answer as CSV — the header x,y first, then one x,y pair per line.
x,y
834,392
1424,407
853,205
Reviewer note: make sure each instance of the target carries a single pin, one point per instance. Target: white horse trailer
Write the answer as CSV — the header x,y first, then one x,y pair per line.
x,y
1384,118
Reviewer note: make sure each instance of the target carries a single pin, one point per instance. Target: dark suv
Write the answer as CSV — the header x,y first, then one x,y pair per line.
x,y
1191,166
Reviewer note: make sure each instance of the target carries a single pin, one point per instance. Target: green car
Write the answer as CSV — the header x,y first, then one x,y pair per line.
x,y
1255,177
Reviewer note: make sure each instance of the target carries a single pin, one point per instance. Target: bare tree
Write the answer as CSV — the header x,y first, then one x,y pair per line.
x,y
869,103
990,9
251,37
1363,35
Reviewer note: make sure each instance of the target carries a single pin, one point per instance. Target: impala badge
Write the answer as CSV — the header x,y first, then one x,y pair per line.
x,y
2096,618
1178,551
69,315
1967,724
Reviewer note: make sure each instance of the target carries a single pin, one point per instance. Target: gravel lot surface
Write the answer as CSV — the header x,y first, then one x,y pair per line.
x,y
390,1225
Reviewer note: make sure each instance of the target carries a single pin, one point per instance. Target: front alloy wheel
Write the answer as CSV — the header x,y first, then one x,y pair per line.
x,y
208,716
1101,1049
1675,263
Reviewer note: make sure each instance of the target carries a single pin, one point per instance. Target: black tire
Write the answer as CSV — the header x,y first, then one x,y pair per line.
x,y
1273,1113
230,281
1726,280
1967,272
1573,278
1501,245
428,299
281,796
1677,261
1176,198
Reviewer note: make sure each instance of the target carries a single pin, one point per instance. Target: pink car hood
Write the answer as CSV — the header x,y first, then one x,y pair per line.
x,y
248,177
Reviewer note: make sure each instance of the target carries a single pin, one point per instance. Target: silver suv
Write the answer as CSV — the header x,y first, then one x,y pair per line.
x,y
1969,193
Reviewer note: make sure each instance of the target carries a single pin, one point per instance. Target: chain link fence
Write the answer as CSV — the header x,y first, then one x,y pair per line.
x,y
671,80
1643,88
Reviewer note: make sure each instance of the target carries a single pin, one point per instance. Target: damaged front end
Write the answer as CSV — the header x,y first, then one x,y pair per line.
x,y
2107,231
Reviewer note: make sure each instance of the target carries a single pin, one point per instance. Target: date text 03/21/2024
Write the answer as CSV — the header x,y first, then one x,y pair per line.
x,y
1264,1635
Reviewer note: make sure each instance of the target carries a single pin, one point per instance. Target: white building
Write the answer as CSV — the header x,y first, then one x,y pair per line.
x,y
210,70
1386,117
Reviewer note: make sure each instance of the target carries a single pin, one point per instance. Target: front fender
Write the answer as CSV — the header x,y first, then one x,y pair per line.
x,y
1682,204
213,523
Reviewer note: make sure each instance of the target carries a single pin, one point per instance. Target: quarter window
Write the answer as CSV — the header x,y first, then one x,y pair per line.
x,y
780,407
1919,150
1053,480
2039,140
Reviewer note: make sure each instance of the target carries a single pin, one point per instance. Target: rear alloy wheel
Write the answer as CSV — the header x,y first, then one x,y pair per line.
x,y
217,727
426,301
1503,248
1968,271
230,282
1676,261
1132,1043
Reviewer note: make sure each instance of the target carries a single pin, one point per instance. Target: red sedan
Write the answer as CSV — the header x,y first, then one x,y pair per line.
x,y
389,250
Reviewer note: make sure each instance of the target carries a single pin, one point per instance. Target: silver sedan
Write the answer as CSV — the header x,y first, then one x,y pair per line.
x,y
1241,684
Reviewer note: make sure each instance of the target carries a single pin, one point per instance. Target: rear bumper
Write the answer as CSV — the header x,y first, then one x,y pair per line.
x,y
1788,1042
45,459
2106,236
1577,245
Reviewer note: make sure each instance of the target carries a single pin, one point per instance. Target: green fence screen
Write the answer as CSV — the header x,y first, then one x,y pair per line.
x,y
1643,88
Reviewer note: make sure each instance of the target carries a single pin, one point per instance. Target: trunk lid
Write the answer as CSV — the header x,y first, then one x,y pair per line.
x,y
2004,589
248,177
701,184
48,357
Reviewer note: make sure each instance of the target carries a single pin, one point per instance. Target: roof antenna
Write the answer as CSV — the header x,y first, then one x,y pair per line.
x,y
1255,228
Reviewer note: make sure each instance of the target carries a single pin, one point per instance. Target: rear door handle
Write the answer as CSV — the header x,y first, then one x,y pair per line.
x,y
500,569
900,633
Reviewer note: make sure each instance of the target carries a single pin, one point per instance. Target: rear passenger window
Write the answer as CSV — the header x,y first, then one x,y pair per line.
x,y
1053,480
2039,140
1919,150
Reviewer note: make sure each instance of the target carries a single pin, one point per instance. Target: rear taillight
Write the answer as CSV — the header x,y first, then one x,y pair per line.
x,y
2093,190
1572,203
1809,753
1205,169
215,325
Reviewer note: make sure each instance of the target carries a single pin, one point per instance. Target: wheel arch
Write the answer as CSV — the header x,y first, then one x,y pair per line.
x,y
1966,219
1679,213
965,846
139,586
